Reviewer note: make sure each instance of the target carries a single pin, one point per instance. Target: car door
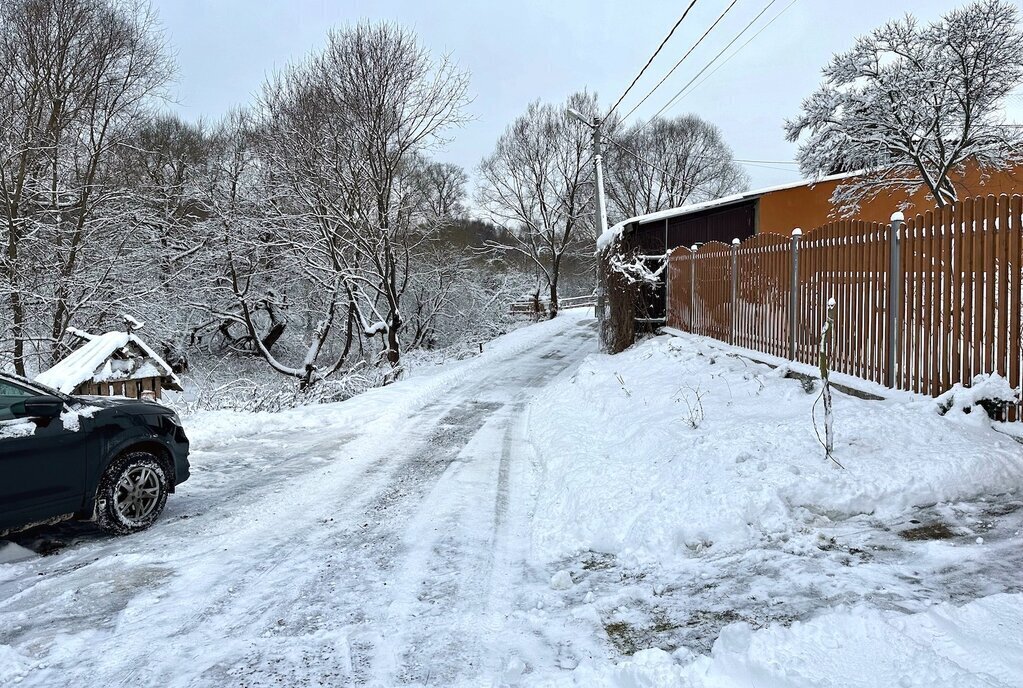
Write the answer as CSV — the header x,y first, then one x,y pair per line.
x,y
42,465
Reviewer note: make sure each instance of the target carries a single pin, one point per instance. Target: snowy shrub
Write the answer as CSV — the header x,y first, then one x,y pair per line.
x,y
990,392
247,385
693,399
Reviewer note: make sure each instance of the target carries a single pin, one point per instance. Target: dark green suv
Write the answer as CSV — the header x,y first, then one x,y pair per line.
x,y
108,460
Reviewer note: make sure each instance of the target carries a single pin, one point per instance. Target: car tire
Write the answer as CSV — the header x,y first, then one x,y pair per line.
x,y
132,493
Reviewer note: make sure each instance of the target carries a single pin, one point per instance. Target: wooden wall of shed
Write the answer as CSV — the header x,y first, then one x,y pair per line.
x,y
808,207
132,389
736,221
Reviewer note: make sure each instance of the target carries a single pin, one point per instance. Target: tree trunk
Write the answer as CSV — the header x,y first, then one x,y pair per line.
x,y
18,330
554,297
393,353
17,305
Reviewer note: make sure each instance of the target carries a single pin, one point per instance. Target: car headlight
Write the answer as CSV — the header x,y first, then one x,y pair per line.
x,y
171,422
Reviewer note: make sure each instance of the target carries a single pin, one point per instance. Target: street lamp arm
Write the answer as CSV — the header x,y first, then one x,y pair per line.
x,y
579,116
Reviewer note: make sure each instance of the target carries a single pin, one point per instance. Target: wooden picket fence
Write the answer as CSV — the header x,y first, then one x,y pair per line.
x,y
920,305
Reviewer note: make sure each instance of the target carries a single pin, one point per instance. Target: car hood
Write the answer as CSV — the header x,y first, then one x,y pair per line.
x,y
125,404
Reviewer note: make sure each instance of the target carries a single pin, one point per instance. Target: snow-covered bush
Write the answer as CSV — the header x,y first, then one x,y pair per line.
x,y
246,384
990,392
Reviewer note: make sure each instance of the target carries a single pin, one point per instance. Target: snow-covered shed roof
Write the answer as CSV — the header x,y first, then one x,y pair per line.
x,y
94,362
605,239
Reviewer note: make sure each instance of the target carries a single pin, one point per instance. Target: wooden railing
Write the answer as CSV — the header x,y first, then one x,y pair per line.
x,y
586,301
536,307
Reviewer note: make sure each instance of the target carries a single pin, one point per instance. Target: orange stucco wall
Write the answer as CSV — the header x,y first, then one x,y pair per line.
x,y
809,207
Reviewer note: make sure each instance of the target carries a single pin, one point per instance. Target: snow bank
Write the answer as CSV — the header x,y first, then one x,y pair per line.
x,y
11,552
978,644
676,447
990,389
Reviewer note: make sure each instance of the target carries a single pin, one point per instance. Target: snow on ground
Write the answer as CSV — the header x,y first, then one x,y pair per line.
x,y
386,405
11,552
752,467
371,542
684,491
544,515
978,644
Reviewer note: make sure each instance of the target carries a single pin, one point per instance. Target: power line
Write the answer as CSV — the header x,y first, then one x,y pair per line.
x,y
648,62
643,160
672,70
681,181
739,49
766,167
704,156
714,59
767,162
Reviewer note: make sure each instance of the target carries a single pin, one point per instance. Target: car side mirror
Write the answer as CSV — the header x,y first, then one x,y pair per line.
x,y
38,407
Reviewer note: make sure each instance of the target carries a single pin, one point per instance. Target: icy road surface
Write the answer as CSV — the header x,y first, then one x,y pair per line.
x,y
374,542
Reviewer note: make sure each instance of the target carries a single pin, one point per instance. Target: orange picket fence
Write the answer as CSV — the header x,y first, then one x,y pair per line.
x,y
921,304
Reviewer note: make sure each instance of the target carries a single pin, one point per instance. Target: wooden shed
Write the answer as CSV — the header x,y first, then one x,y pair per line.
x,y
112,364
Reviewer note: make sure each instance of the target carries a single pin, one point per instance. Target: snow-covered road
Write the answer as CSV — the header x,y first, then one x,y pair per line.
x,y
374,542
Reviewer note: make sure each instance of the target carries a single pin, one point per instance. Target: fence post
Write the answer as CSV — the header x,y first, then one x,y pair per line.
x,y
667,289
894,296
692,288
797,234
735,287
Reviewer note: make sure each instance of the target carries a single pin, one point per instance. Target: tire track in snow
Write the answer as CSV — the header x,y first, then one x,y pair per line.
x,y
443,644
264,589
370,572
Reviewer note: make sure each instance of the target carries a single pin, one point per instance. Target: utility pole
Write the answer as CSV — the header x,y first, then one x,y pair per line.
x,y
601,216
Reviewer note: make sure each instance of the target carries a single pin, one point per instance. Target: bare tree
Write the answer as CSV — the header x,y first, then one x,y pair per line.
x,y
910,104
233,229
75,77
443,190
538,182
342,138
667,163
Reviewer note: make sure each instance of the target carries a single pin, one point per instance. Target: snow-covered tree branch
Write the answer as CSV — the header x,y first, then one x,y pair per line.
x,y
911,104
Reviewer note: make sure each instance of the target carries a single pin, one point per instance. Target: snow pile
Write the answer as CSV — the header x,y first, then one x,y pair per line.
x,y
978,644
72,419
17,428
678,461
11,552
986,391
675,447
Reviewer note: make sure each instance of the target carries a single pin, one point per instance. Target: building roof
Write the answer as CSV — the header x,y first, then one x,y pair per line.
x,y
92,362
605,239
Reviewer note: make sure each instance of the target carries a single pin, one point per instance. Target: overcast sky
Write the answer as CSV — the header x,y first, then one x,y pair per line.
x,y
518,51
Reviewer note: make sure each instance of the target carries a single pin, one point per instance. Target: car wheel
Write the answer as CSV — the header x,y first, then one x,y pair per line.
x,y
132,493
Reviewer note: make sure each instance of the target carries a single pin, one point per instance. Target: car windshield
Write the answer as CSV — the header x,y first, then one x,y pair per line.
x,y
35,386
